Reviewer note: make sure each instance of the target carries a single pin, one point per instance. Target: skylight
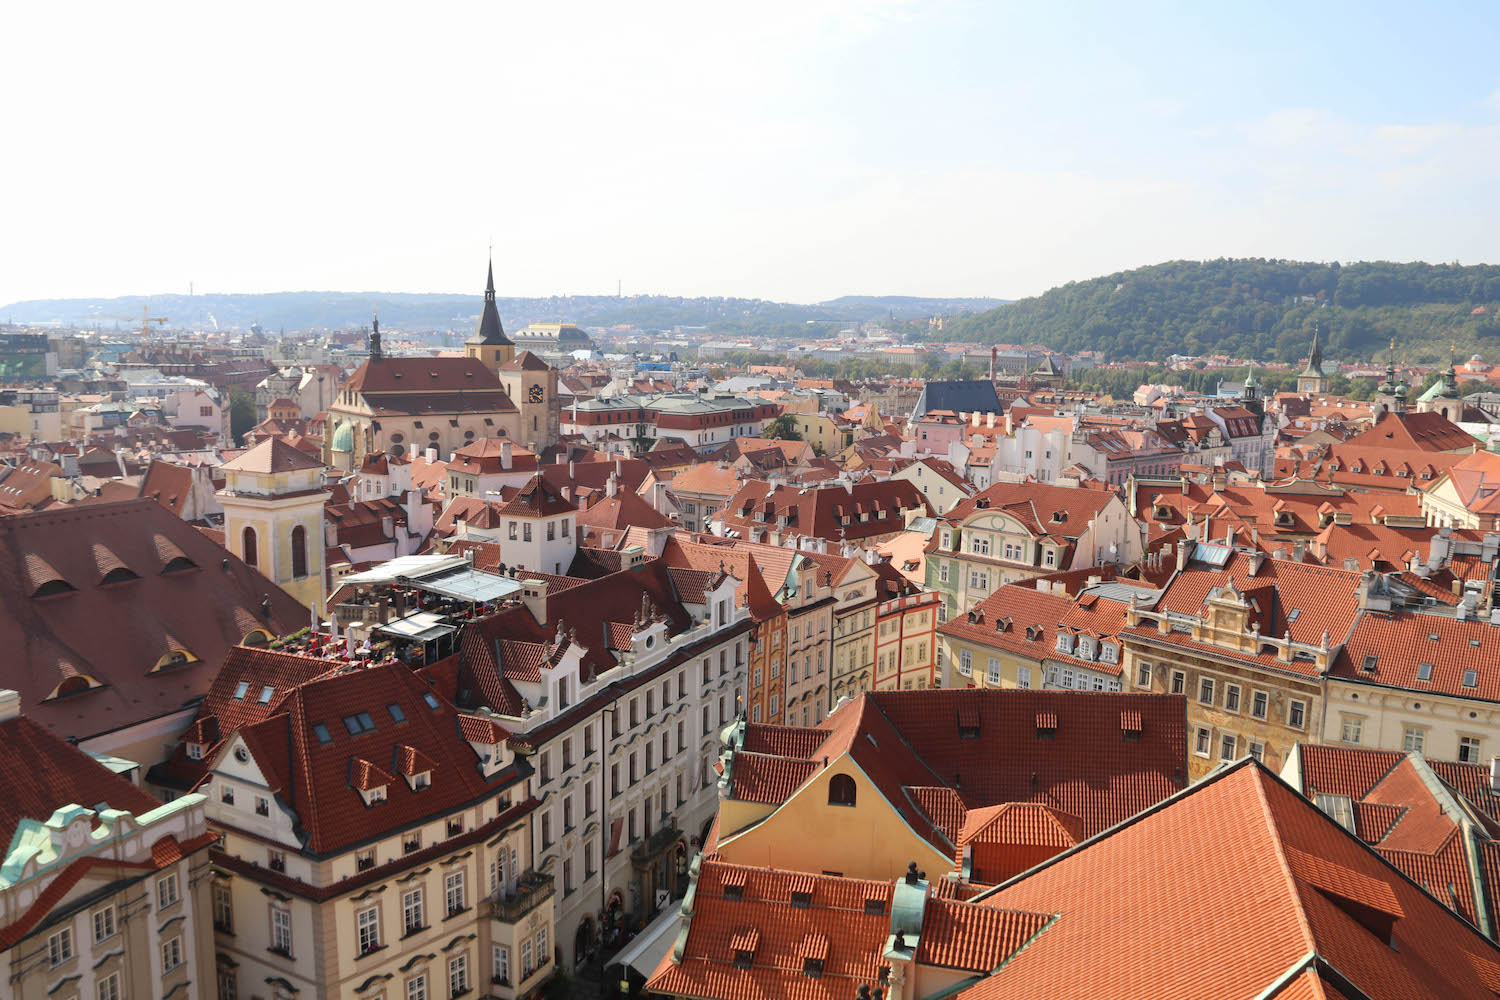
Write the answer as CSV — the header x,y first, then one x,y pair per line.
x,y
1424,671
396,712
240,689
432,702
265,694
359,723
322,733
1471,678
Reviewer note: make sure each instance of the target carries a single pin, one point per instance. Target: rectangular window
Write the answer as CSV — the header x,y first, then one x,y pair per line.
x,y
416,988
60,947
458,975
502,965
1412,739
1258,751
543,950
1203,742
104,924
1352,729
171,954
1231,698
1468,749
281,930
965,662
1023,677
108,988
1258,704
1296,714
1179,682
367,925
942,571
411,911
453,893
1226,747
1143,675
1205,691
526,967
166,890
992,673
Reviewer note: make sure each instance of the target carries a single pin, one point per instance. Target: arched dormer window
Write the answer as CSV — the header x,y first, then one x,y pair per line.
x,y
53,587
179,564
77,684
176,658
299,552
119,575
257,638
248,546
841,790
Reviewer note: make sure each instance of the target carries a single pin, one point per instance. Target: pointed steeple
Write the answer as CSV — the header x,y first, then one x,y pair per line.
x,y
1450,377
375,352
1315,358
488,332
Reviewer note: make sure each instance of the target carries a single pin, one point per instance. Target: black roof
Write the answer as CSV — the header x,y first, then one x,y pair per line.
x,y
960,396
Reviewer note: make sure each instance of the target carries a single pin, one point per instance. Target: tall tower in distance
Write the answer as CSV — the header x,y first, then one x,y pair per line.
x,y
489,344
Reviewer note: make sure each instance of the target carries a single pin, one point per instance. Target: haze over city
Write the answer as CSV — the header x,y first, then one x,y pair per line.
x,y
796,151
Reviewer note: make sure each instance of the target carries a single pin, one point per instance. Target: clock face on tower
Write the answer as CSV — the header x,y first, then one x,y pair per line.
x,y
535,394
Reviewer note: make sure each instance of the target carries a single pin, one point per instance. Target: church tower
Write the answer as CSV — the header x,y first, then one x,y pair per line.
x,y
1444,397
273,500
489,343
1313,380
531,384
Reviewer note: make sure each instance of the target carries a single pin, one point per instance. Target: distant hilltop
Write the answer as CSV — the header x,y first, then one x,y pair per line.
x,y
417,312
1257,308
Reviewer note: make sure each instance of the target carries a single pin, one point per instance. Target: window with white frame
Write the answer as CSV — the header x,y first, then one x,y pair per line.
x,y
104,923
1231,697
1259,703
108,988
171,954
992,672
1179,682
166,890
966,662
223,907
1258,751
1351,729
1023,677
367,928
1412,738
412,917
942,571
1227,744
526,964
458,975
1205,690
60,947
281,929
1296,714
453,892
416,988
543,949
1203,742
1142,674
1469,749
502,964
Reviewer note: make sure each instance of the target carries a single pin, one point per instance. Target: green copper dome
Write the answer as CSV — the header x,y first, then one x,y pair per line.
x,y
343,438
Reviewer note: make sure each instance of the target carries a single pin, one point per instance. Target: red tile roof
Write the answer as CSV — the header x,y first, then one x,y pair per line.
x,y
1231,886
974,937
1401,641
833,512
116,633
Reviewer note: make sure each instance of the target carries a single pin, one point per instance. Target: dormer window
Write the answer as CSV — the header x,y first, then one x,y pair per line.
x,y
1085,647
195,751
1064,643
374,795
421,781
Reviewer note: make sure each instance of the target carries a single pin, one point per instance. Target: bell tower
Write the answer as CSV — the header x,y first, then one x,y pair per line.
x,y
489,344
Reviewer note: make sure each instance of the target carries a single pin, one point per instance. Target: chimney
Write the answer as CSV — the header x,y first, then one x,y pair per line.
x,y
10,704
1182,554
505,454
989,420
432,453
612,484
534,596
571,473
388,526
974,419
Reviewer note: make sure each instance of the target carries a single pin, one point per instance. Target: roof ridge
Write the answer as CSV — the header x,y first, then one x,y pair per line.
x,y
1286,869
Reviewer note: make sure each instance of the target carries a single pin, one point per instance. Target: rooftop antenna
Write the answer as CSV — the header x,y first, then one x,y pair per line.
x,y
619,288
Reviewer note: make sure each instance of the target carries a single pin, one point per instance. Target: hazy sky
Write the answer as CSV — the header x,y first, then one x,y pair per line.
x,y
793,151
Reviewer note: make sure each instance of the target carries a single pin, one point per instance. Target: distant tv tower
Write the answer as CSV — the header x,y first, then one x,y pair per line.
x,y
619,288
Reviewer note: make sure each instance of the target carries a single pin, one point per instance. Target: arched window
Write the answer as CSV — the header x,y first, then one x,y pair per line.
x,y
299,552
247,546
841,790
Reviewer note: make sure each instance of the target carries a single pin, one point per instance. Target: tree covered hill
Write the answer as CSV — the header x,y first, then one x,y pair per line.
x,y
1263,309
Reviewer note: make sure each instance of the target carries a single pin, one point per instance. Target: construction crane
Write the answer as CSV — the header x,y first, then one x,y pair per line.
x,y
147,319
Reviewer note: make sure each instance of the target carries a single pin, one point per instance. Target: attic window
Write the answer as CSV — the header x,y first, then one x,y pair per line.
x,y
1033,632
1371,661
742,958
1130,726
118,575
1424,671
812,968
734,891
322,733
1474,643
874,907
1002,624
1046,725
801,900
240,689
432,702
53,587
265,695
179,564
396,713
1293,614
359,723
1471,678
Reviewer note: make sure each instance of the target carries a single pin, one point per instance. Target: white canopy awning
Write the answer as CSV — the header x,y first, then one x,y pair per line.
x,y
651,945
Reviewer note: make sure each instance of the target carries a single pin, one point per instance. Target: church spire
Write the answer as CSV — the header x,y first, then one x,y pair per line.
x,y
489,284
488,332
375,352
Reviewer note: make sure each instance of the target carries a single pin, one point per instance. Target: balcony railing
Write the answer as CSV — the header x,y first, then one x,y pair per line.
x,y
651,847
510,905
